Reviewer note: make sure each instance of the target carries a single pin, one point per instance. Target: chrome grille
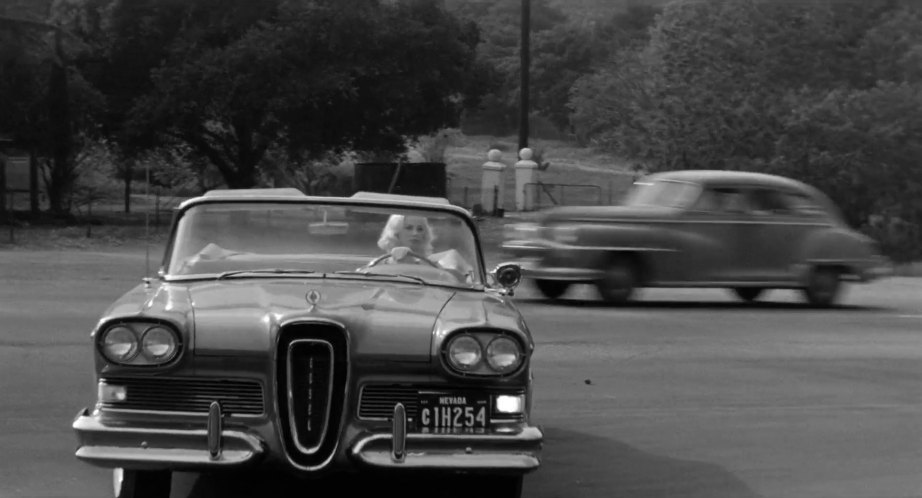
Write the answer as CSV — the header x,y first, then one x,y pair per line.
x,y
194,395
310,390
310,377
378,401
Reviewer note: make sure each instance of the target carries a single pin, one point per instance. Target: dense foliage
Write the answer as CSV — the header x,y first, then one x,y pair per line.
x,y
230,80
828,93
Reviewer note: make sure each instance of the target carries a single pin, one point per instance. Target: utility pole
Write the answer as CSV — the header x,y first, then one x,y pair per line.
x,y
525,55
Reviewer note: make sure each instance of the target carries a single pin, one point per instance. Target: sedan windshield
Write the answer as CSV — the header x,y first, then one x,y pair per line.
x,y
259,239
662,193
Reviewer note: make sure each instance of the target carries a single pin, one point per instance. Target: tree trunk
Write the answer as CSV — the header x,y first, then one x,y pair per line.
x,y
3,185
128,173
59,117
33,183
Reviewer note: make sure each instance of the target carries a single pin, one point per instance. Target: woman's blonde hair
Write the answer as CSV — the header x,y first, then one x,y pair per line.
x,y
389,240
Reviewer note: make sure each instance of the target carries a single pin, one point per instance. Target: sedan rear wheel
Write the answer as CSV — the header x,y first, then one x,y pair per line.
x,y
823,286
127,483
617,284
552,289
748,294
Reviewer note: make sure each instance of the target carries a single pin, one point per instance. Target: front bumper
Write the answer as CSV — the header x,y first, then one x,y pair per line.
x,y
878,268
534,269
533,258
107,443
516,452
139,446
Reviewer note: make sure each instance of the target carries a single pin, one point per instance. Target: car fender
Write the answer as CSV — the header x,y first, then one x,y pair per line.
x,y
838,246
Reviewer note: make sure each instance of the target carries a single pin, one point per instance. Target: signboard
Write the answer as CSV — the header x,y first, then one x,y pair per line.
x,y
17,174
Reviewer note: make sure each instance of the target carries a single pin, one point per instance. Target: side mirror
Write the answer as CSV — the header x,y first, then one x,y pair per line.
x,y
507,275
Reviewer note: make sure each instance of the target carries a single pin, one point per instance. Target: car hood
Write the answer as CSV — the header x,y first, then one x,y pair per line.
x,y
385,320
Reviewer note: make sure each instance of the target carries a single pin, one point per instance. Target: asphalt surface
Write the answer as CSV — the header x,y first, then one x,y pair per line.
x,y
688,393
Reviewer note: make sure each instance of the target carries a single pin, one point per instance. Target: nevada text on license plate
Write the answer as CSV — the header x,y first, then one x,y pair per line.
x,y
454,411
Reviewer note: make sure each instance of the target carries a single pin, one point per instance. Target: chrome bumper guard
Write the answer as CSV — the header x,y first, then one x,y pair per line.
x,y
124,445
517,451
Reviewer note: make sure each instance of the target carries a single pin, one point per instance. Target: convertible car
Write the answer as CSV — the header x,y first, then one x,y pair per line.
x,y
283,333
745,231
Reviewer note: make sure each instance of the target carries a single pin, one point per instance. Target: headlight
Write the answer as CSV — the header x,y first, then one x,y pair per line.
x,y
503,354
139,343
120,344
464,352
484,352
159,344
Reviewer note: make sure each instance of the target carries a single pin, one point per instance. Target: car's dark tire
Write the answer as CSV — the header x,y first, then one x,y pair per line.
x,y
748,294
499,487
128,483
619,279
823,286
552,289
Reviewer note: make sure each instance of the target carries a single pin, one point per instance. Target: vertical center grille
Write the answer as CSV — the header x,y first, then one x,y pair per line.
x,y
311,369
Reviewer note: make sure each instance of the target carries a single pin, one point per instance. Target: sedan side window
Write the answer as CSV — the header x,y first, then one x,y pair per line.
x,y
720,200
803,205
765,201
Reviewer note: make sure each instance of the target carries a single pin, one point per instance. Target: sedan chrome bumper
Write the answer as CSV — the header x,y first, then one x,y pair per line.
x,y
126,445
532,268
878,268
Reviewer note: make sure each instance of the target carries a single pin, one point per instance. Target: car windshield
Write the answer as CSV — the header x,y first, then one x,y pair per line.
x,y
239,239
662,193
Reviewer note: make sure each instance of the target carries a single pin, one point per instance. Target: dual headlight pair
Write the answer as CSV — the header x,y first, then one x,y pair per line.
x,y
484,353
139,344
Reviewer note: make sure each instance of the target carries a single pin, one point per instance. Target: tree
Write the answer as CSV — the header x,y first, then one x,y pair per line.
x,y
553,60
52,102
826,93
306,76
710,83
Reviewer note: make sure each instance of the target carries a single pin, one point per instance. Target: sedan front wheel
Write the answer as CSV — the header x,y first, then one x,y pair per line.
x,y
552,289
823,286
618,281
748,294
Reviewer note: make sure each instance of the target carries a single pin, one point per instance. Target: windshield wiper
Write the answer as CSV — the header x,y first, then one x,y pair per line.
x,y
383,275
270,271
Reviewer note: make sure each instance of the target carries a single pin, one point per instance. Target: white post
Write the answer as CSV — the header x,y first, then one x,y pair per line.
x,y
493,176
526,175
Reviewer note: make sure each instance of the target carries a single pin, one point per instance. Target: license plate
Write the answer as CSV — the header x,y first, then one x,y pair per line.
x,y
453,411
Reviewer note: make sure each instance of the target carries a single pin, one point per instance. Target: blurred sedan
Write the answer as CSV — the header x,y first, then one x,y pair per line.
x,y
745,231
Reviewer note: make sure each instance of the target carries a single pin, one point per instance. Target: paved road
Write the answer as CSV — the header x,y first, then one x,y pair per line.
x,y
686,394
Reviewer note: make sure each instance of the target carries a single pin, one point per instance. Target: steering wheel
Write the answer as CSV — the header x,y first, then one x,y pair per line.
x,y
418,256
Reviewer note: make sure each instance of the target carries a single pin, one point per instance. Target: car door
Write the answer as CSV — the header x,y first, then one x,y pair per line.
x,y
712,242
774,233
